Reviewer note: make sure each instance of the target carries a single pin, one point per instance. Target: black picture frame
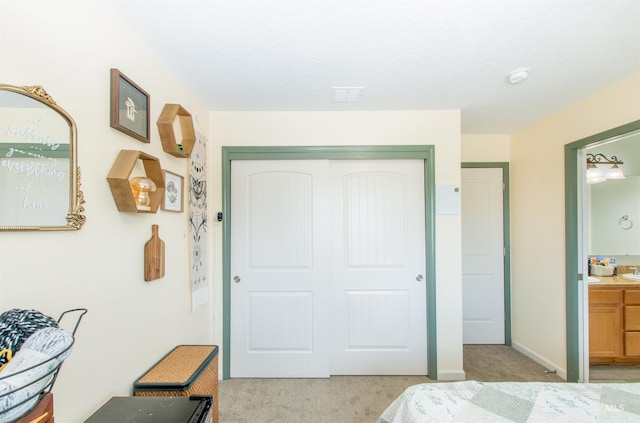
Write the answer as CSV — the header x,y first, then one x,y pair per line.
x,y
129,107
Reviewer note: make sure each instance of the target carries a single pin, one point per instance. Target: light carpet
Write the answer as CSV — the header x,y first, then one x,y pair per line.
x,y
356,399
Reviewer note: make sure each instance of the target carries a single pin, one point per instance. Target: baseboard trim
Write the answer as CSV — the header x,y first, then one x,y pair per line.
x,y
451,375
535,357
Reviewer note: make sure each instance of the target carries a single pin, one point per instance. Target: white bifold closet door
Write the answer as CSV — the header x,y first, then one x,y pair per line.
x,y
328,268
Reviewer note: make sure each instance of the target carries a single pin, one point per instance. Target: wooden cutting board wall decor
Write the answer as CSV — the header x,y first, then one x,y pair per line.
x,y
154,256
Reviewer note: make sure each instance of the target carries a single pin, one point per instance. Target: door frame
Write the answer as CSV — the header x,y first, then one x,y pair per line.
x,y
506,234
573,269
424,152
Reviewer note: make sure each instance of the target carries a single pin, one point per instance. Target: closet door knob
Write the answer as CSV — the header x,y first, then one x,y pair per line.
x,y
419,278
236,279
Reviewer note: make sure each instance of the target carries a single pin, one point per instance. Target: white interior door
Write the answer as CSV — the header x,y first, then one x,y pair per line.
x,y
483,312
280,269
378,256
328,265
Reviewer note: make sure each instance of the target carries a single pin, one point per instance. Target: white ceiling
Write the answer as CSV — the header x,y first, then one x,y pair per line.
x,y
407,54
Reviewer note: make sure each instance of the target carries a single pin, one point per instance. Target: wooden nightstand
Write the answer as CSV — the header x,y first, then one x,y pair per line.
x,y
43,413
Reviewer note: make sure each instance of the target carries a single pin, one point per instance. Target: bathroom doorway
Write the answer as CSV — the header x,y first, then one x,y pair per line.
x,y
622,142
613,238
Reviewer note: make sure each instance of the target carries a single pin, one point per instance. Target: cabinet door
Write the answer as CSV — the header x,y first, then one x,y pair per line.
x,y
605,331
605,296
632,344
632,296
632,317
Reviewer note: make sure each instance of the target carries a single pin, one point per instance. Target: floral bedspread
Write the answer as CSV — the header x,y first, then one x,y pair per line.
x,y
519,402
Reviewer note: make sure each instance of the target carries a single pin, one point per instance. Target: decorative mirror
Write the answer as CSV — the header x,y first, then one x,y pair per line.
x,y
39,177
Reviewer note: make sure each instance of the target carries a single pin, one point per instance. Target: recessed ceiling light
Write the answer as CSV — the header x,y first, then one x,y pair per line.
x,y
518,76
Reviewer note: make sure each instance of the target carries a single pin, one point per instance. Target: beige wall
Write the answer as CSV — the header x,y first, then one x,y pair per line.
x,y
439,128
537,215
485,148
68,48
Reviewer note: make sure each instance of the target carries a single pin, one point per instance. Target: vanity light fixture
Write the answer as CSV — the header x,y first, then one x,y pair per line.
x,y
596,175
615,173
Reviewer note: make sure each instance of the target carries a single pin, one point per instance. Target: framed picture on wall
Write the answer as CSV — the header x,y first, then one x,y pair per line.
x,y
173,192
129,107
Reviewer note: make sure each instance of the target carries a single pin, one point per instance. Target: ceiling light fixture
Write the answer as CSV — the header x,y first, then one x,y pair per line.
x,y
518,76
596,175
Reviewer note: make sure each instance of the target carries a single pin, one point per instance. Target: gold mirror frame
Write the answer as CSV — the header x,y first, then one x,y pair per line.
x,y
74,218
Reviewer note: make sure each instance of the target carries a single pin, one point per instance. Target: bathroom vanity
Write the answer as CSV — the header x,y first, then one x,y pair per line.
x,y
614,321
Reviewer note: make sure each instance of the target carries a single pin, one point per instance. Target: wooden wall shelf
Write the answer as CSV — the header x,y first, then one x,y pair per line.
x,y
168,135
120,173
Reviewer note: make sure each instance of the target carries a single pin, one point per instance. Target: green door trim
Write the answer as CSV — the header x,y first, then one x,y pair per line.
x,y
425,152
506,231
572,231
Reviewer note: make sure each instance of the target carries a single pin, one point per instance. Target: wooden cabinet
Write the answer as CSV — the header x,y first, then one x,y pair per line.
x,y
605,323
632,296
614,324
631,318
42,413
632,344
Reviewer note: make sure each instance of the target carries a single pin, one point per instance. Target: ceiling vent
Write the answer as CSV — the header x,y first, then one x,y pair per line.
x,y
346,94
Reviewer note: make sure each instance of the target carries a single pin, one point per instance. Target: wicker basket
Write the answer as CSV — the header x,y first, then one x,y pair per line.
x,y
599,270
33,396
186,370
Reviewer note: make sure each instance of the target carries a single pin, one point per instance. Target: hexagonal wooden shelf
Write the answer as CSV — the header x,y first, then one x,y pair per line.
x,y
120,173
168,135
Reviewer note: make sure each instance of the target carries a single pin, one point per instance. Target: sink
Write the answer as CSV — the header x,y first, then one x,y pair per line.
x,y
592,279
631,276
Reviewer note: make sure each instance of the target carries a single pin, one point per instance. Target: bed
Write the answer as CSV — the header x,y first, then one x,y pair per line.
x,y
502,402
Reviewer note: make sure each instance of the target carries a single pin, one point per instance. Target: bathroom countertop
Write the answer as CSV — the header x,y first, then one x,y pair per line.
x,y
617,281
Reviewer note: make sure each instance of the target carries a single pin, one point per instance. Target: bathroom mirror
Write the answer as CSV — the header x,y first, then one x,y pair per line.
x,y
615,216
614,209
39,177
